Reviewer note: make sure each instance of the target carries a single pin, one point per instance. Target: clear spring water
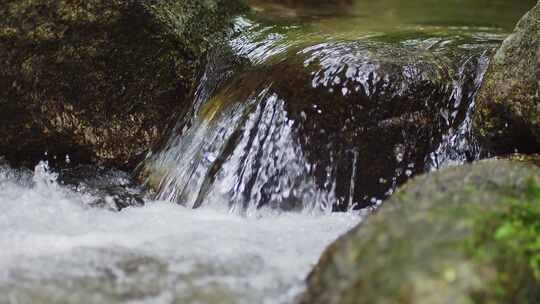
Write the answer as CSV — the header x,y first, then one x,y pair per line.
x,y
54,248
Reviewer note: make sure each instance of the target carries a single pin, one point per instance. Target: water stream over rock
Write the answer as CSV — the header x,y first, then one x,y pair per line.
x,y
305,119
303,111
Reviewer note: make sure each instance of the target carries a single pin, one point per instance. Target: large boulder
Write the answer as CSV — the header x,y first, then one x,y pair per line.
x,y
508,104
98,79
316,122
461,235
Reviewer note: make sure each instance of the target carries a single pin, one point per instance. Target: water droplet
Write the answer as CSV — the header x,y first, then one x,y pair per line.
x,y
210,157
398,150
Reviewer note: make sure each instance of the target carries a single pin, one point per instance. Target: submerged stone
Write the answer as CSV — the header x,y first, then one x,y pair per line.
x,y
98,79
507,114
461,235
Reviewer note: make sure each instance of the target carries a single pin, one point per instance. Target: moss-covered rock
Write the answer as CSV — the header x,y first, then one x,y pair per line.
x,y
98,79
462,235
508,105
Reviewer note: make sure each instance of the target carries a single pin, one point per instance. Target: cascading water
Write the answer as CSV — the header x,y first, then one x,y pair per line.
x,y
311,121
301,110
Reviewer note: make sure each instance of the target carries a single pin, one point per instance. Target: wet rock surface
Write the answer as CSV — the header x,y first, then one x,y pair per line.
x,y
110,189
98,79
508,107
310,118
437,240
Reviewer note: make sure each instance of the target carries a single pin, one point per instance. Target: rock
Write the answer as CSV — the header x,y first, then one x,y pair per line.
x,y
460,235
98,79
508,105
107,188
309,119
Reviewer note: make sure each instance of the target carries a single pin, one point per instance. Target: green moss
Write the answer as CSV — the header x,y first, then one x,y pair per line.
x,y
509,238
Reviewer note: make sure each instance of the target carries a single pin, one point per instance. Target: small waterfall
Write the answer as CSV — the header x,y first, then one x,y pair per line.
x,y
294,119
303,109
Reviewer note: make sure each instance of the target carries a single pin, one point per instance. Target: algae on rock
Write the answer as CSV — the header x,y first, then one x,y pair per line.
x,y
98,79
439,240
508,104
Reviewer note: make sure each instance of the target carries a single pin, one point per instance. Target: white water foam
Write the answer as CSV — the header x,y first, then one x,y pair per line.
x,y
54,248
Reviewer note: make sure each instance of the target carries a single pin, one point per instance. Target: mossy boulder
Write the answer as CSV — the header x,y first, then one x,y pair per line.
x,y
461,235
98,79
508,105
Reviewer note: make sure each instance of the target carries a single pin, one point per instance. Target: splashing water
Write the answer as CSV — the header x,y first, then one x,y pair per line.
x,y
62,250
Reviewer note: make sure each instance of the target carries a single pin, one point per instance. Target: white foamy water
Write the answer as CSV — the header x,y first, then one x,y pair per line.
x,y
53,248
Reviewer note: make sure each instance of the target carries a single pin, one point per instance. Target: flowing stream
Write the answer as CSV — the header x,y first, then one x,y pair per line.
x,y
302,112
57,249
